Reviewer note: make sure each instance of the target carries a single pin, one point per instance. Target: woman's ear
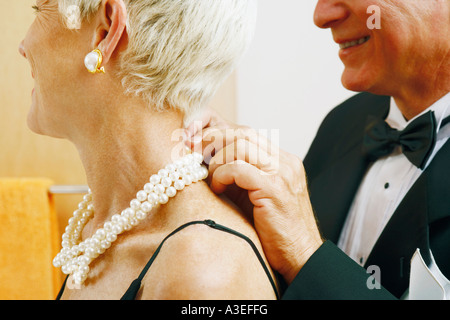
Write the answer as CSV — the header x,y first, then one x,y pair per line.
x,y
111,26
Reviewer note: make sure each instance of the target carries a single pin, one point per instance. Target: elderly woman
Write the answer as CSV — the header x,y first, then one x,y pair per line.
x,y
378,170
119,87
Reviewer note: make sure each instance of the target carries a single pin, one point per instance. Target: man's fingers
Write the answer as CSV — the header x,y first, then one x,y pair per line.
x,y
198,124
211,140
241,173
246,151
209,118
207,141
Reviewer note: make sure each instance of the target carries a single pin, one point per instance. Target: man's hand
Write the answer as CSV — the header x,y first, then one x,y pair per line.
x,y
264,181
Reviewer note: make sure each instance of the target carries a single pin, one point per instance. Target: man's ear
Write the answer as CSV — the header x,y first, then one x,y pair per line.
x,y
112,17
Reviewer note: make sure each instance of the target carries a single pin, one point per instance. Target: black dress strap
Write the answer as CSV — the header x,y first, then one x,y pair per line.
x,y
136,284
61,291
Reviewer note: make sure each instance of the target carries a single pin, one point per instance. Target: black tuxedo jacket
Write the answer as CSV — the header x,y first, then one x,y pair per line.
x,y
335,167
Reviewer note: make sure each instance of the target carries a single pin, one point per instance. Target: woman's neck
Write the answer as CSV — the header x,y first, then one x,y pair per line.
x,y
123,151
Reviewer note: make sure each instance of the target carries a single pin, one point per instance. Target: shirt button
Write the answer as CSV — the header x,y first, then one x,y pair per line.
x,y
386,185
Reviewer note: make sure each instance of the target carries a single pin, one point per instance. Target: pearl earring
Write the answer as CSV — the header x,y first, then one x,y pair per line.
x,y
93,61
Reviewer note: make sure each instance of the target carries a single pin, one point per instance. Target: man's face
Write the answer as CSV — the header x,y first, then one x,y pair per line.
x,y
411,40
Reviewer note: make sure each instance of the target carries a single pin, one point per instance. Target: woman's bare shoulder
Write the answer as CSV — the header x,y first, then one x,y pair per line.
x,y
201,262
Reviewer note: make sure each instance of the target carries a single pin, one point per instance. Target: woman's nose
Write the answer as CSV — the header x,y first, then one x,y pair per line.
x,y
328,13
22,49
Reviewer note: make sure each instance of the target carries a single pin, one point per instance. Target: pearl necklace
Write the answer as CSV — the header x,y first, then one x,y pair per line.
x,y
75,255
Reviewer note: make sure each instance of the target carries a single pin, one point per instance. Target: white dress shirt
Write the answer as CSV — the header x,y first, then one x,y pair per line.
x,y
383,187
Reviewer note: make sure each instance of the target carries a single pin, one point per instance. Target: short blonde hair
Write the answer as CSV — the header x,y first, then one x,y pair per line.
x,y
179,51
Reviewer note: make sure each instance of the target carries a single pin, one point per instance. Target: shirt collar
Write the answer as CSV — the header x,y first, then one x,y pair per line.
x,y
441,110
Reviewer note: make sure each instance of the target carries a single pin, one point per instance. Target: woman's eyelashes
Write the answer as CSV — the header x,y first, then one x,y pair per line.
x,y
36,9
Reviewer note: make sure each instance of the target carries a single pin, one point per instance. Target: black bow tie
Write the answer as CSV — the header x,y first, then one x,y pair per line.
x,y
417,140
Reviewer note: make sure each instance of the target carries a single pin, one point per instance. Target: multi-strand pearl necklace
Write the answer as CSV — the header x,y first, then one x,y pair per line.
x,y
76,256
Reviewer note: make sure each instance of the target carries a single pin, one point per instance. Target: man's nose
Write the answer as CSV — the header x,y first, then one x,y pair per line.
x,y
329,13
22,49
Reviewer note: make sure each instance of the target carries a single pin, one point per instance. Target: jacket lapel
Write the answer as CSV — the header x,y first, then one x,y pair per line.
x,y
438,185
333,190
408,229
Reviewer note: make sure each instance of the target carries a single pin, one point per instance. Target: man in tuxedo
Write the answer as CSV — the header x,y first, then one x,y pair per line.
x,y
375,188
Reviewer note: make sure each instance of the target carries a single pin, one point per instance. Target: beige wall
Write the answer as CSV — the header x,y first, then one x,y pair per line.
x,y
25,154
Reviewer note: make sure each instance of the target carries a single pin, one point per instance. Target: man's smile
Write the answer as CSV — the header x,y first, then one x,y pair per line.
x,y
349,44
